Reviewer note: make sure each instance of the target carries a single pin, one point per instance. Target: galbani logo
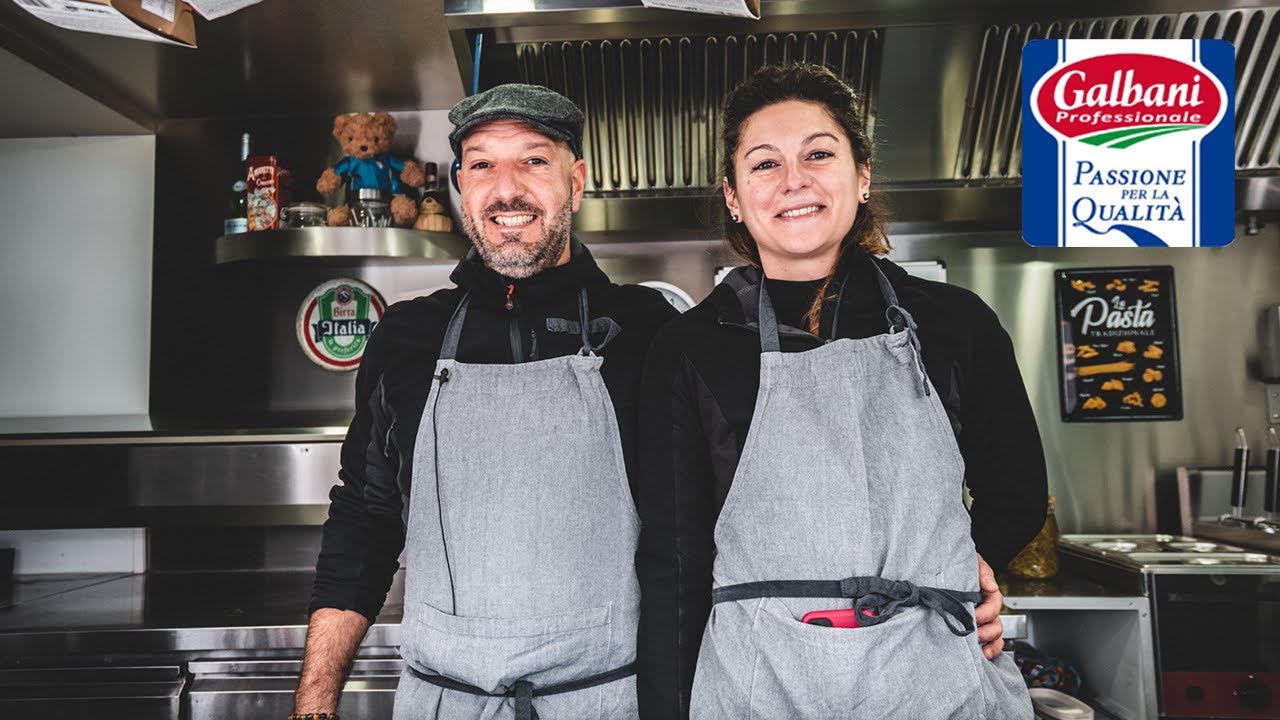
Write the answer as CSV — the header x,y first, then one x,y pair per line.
x,y
1128,143
1119,100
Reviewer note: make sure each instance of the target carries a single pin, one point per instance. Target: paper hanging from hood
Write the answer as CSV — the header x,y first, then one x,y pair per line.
x,y
154,20
736,8
213,9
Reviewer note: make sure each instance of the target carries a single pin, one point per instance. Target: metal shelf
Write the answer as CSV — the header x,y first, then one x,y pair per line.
x,y
340,242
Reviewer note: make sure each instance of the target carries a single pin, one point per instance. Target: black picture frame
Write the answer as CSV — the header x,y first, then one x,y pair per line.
x,y
1118,341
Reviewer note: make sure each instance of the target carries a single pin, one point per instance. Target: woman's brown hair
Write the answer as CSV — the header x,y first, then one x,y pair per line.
x,y
807,82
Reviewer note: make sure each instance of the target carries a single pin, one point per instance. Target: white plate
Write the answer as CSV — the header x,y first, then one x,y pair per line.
x,y
679,299
1058,705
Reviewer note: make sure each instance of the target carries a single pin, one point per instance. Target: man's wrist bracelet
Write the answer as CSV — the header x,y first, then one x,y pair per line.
x,y
314,716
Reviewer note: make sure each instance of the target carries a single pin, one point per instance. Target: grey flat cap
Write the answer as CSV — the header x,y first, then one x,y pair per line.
x,y
547,110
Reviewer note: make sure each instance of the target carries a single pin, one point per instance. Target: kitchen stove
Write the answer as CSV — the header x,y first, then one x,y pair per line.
x,y
1215,612
1166,554
1243,520
1207,505
1258,534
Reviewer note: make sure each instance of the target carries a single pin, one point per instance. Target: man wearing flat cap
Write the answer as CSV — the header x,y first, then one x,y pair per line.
x,y
493,442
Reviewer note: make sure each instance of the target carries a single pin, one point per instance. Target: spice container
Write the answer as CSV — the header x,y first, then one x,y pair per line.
x,y
1039,559
304,214
370,207
263,189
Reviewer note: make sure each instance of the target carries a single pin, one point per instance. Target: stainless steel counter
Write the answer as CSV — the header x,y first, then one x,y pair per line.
x,y
175,646
133,430
1065,585
48,618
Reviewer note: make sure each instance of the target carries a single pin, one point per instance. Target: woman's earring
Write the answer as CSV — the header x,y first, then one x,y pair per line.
x,y
734,216
866,196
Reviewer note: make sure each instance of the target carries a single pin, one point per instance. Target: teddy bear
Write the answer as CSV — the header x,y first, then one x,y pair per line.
x,y
366,139
432,216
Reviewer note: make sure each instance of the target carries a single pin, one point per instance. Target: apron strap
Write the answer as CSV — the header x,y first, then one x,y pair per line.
x,y
584,319
585,326
524,691
769,341
835,312
900,320
606,326
453,331
885,598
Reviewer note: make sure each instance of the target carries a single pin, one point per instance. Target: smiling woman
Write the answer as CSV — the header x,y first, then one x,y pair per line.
x,y
806,433
805,165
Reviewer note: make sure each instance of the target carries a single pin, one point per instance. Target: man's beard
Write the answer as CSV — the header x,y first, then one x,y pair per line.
x,y
515,259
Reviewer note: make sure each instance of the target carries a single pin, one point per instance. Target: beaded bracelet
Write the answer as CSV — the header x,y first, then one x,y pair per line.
x,y
314,716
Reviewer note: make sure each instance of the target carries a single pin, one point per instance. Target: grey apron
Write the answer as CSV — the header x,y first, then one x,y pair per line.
x,y
521,599
847,494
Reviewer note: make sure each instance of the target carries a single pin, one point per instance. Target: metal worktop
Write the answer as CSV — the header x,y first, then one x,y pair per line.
x,y
1065,591
49,617
137,430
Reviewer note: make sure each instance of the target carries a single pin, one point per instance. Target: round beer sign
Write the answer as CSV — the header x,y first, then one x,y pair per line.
x,y
335,321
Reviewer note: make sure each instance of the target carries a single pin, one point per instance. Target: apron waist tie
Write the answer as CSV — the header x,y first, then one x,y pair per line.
x,y
523,691
885,598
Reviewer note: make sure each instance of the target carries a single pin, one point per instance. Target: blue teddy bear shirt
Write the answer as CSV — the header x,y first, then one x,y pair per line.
x,y
381,172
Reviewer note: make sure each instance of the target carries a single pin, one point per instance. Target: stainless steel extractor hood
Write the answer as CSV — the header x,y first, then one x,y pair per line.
x,y
940,83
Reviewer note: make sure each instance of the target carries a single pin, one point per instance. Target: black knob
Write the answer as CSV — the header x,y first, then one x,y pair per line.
x,y
1240,478
1254,694
1195,693
1271,500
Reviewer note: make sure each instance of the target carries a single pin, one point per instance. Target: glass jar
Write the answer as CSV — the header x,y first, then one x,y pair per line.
x,y
1039,559
304,214
371,207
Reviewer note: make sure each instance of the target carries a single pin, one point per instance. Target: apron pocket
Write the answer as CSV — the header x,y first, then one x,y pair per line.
x,y
907,666
493,653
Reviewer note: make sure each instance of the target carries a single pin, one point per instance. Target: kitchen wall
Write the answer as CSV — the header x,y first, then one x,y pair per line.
x,y
1103,473
75,275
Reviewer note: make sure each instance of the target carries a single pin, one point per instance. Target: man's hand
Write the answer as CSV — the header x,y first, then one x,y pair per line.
x,y
987,614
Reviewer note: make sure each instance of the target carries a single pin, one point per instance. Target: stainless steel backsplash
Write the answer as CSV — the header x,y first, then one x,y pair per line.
x,y
1102,473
